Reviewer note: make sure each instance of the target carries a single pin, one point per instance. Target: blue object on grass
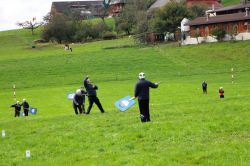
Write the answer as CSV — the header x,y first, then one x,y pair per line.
x,y
33,110
70,96
124,103
22,114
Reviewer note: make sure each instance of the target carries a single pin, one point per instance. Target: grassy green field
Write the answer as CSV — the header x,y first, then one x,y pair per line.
x,y
230,2
187,127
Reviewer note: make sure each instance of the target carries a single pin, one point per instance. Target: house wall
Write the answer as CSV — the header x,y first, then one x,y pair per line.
x,y
229,27
209,39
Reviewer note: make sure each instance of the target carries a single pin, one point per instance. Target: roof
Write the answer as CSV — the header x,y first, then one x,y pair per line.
x,y
65,5
219,19
112,2
233,7
159,4
209,3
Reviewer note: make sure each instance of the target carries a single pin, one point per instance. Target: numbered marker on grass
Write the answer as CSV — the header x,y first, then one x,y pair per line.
x,y
27,153
124,103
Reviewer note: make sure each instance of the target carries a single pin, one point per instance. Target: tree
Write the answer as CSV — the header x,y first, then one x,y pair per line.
x,y
133,16
198,10
168,18
58,27
102,12
32,25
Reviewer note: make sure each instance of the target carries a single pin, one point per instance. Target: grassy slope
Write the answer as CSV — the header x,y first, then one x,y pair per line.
x,y
230,2
187,127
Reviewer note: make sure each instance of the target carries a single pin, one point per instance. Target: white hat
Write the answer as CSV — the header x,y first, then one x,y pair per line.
x,y
141,75
24,99
78,92
221,87
17,102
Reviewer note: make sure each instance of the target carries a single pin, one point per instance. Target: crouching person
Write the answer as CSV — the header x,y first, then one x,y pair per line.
x,y
78,102
17,107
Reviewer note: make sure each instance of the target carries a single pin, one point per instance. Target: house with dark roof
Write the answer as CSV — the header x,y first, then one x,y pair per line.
x,y
233,9
236,24
115,6
89,8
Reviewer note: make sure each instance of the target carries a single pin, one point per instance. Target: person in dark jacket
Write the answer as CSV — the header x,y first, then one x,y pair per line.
x,y
204,87
26,106
142,92
91,92
78,101
17,107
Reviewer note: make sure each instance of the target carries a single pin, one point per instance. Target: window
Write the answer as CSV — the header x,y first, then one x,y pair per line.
x,y
206,30
246,26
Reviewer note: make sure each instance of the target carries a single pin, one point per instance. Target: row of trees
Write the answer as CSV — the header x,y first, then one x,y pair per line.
x,y
135,18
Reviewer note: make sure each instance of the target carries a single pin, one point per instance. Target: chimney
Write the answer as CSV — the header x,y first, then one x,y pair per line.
x,y
247,10
207,14
213,7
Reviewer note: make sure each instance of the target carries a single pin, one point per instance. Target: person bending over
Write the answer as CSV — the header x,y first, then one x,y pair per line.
x,y
78,102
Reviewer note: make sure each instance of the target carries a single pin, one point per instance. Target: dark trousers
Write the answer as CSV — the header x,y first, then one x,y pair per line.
x,y
92,100
17,113
26,112
204,90
79,107
144,110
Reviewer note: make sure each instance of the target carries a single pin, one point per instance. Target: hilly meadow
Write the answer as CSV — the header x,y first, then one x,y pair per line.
x,y
187,127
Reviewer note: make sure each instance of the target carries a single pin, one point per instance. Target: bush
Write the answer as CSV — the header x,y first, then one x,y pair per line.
x,y
109,35
219,33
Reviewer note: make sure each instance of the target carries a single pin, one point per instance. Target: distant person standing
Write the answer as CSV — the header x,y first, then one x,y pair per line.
x,y
204,87
78,102
17,107
142,92
221,92
26,106
91,92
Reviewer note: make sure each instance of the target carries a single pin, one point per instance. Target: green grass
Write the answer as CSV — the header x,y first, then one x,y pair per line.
x,y
230,2
187,127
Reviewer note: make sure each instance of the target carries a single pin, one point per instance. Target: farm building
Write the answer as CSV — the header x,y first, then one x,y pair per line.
x,y
236,25
89,8
116,6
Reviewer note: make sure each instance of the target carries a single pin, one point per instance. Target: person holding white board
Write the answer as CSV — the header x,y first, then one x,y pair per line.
x,y
142,93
